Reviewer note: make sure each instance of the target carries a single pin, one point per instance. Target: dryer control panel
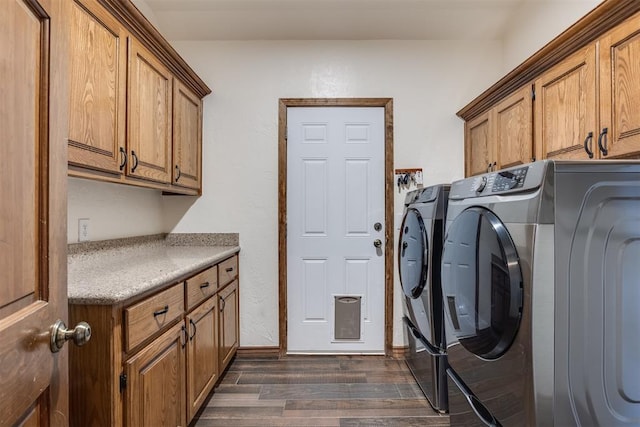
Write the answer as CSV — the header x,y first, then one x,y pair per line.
x,y
512,180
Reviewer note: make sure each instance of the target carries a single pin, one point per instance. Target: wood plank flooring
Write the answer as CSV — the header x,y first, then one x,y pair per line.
x,y
318,391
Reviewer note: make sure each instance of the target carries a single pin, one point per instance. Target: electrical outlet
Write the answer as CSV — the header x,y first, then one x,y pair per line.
x,y
83,230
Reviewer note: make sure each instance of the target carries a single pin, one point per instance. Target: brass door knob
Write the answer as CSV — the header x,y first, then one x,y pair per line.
x,y
80,335
377,243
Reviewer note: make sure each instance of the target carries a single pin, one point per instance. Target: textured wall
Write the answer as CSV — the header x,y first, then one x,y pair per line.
x,y
538,22
114,210
429,82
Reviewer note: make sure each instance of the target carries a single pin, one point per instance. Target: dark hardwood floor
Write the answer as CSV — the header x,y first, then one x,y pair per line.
x,y
318,391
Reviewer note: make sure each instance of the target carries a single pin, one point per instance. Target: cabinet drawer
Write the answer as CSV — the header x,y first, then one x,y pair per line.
x,y
152,315
201,286
228,270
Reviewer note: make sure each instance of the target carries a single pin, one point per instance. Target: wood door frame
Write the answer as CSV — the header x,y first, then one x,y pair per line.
x,y
284,103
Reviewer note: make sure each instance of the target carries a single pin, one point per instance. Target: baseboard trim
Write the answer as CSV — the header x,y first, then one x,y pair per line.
x,y
274,352
266,352
399,352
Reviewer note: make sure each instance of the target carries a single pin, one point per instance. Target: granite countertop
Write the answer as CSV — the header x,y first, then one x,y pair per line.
x,y
110,272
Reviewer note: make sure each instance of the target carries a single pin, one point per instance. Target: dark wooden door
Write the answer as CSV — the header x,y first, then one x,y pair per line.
x,y
33,203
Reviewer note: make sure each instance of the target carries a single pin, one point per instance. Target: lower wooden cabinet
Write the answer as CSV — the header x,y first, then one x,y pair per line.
x,y
155,388
163,376
202,354
229,337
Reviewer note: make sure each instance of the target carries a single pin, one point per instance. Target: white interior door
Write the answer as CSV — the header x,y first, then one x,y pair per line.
x,y
335,198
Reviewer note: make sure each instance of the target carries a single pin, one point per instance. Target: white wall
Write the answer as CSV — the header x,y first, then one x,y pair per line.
x,y
536,23
429,82
114,210
146,11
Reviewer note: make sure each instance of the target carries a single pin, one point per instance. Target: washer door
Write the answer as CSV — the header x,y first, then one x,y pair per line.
x,y
413,254
482,283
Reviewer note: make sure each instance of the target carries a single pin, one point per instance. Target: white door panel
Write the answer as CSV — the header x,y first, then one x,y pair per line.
x,y
335,195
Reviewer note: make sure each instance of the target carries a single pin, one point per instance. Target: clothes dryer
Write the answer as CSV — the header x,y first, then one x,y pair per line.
x,y
419,258
539,277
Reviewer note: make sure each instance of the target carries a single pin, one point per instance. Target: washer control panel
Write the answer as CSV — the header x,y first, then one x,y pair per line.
x,y
509,179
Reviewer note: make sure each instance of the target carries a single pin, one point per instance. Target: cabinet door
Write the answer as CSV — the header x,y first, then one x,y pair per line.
x,y
514,130
620,90
565,111
202,354
97,96
187,137
155,394
229,323
478,144
149,115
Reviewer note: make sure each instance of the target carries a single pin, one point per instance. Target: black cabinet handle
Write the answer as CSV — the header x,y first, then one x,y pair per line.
x,y
124,158
179,173
183,336
204,285
587,144
193,324
229,269
223,303
162,311
603,137
135,163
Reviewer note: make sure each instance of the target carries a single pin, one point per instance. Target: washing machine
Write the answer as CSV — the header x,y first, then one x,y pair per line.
x,y
419,257
539,278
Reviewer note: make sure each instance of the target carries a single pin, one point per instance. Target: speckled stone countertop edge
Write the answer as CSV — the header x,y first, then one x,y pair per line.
x,y
138,286
171,239
120,270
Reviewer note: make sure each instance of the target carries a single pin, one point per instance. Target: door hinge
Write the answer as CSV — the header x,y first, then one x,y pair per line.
x,y
123,382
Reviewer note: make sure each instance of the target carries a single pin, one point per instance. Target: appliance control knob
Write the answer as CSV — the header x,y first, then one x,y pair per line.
x,y
480,184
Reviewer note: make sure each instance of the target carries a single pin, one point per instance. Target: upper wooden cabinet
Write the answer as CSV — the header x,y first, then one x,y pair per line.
x,y
98,64
567,105
478,144
136,106
148,116
587,84
187,137
514,130
620,91
565,118
501,137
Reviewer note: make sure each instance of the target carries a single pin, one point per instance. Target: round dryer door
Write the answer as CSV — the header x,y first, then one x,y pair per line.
x,y
413,254
482,283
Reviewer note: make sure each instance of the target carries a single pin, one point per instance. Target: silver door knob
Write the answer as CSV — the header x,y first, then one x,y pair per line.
x,y
80,335
377,243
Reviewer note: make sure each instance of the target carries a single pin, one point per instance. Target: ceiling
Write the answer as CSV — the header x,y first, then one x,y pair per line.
x,y
333,19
